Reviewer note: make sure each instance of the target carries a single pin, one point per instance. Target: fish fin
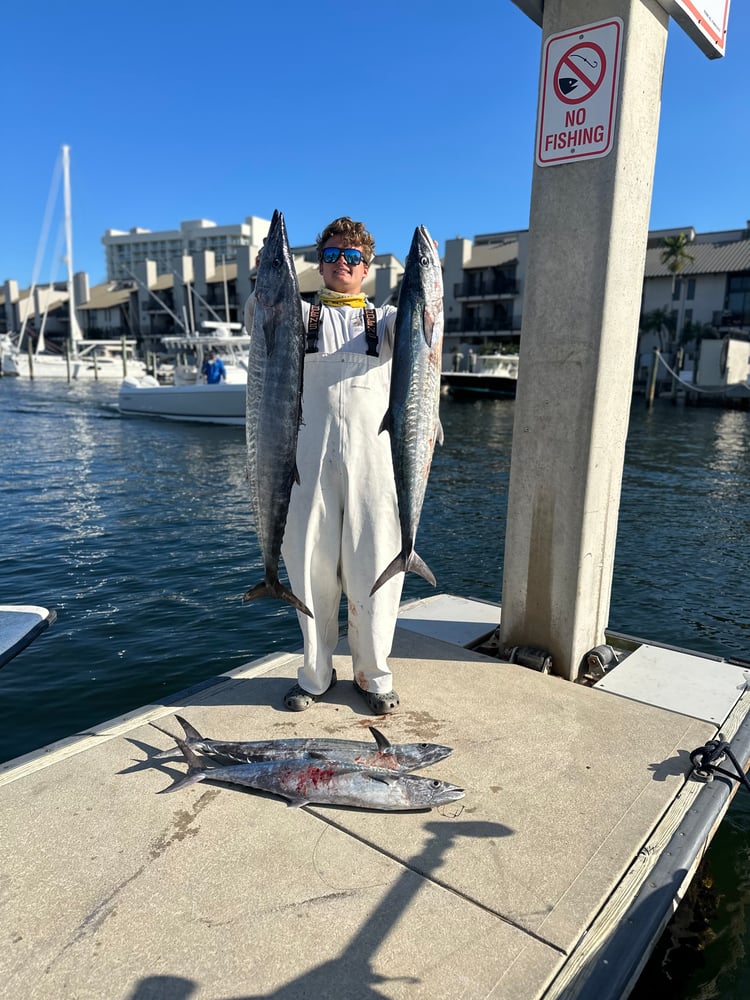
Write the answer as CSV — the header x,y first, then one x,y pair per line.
x,y
197,770
415,564
165,731
184,782
278,590
164,754
191,733
296,474
405,564
385,778
195,763
385,423
439,433
397,565
289,597
317,755
382,741
297,803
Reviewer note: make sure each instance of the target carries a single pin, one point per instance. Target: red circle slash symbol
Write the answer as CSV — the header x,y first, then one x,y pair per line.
x,y
580,73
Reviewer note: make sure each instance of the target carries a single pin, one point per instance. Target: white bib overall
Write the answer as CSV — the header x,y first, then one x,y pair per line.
x,y
343,527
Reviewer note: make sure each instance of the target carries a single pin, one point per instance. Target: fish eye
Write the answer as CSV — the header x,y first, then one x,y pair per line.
x,y
423,260
436,783
277,262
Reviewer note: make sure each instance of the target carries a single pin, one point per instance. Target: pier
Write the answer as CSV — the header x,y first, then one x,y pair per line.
x,y
580,827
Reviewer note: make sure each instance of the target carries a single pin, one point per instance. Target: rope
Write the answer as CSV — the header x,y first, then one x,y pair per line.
x,y
688,385
705,762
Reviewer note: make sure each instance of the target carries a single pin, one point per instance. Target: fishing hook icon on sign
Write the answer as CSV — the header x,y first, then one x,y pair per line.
x,y
568,84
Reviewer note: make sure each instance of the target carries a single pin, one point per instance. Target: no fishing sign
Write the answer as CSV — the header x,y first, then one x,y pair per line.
x,y
578,93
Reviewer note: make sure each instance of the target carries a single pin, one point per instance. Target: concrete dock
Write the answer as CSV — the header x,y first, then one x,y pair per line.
x,y
110,889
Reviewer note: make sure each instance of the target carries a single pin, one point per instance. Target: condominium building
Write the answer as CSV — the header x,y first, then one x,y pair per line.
x,y
164,283
126,250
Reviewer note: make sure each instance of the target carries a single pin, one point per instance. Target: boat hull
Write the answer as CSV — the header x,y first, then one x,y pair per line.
x,y
81,369
470,384
207,404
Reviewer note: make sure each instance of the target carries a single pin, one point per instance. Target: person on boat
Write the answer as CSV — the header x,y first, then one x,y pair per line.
x,y
213,368
343,526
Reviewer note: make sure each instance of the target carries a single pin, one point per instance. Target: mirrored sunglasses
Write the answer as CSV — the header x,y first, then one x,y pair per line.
x,y
352,257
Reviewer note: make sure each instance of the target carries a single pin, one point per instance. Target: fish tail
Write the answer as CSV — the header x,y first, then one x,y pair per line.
x,y
191,733
184,782
197,770
163,754
404,563
165,731
278,590
398,565
415,564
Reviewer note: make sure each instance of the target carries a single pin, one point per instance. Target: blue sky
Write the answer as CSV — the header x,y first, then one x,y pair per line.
x,y
396,113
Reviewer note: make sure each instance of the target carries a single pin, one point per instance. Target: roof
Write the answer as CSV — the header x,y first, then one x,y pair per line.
x,y
309,278
708,258
106,296
493,255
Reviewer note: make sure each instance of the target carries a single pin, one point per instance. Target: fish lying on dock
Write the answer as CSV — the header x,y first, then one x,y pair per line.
x,y
324,782
413,419
400,757
274,404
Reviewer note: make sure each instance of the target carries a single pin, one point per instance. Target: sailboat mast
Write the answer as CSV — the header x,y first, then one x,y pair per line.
x,y
75,333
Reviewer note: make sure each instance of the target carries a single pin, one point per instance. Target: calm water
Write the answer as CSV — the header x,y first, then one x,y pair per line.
x,y
137,533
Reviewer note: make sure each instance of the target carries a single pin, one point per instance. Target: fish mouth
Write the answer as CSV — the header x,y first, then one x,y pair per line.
x,y
451,794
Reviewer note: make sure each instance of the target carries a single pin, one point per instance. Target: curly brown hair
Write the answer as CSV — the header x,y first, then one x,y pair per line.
x,y
351,234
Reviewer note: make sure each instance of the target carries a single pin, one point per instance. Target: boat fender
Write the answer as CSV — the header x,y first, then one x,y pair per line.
x,y
531,657
599,661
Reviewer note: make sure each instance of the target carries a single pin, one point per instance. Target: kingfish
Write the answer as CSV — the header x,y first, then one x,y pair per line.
x,y
412,419
325,782
381,754
274,405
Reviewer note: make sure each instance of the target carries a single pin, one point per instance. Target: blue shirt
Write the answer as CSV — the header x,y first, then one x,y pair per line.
x,y
214,371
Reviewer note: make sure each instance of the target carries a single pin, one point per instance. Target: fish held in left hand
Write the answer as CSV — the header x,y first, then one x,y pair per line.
x,y
413,419
274,405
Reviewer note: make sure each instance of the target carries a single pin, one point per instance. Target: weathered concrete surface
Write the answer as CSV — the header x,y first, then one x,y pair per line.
x,y
109,888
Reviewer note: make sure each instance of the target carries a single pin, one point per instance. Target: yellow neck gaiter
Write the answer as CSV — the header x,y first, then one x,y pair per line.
x,y
330,298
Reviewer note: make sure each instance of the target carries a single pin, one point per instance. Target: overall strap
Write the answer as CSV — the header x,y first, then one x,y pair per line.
x,y
371,332
313,323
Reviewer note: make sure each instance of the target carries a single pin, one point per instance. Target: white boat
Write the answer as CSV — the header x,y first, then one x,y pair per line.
x,y
20,624
83,359
93,359
188,398
487,375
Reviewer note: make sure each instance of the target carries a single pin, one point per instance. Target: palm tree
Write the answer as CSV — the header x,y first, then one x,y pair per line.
x,y
662,323
675,256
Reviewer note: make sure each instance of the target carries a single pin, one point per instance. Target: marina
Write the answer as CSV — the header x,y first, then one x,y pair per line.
x,y
123,649
579,672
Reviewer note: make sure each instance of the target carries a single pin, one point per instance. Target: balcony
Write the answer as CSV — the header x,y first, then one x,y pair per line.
x,y
482,327
486,289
